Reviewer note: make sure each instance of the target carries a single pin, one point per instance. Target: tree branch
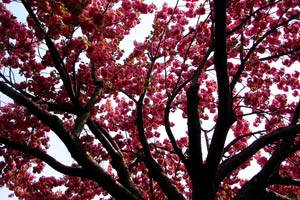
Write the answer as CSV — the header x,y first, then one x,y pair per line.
x,y
114,151
109,144
169,132
73,144
58,62
232,163
50,120
296,114
83,115
239,138
275,196
195,167
263,195
277,179
154,168
70,171
253,48
225,110
251,15
175,92
280,54
269,172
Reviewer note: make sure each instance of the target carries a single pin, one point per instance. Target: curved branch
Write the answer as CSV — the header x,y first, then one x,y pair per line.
x,y
85,113
153,57
175,92
269,172
109,144
232,163
249,17
114,151
280,54
253,48
58,62
277,179
111,147
265,194
170,133
275,196
154,168
50,120
70,171
285,149
73,144
239,138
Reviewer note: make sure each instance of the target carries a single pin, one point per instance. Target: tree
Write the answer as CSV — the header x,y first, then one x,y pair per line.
x,y
228,68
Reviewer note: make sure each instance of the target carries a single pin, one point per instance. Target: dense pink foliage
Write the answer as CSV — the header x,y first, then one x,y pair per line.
x,y
86,71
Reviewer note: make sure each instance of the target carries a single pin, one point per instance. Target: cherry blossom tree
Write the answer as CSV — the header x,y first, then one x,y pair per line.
x,y
227,71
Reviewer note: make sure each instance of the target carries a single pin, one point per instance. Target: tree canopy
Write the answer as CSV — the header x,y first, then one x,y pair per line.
x,y
212,91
